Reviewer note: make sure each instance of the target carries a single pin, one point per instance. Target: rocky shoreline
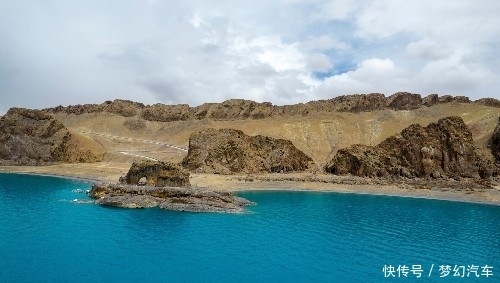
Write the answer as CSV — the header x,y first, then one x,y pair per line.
x,y
191,199
462,190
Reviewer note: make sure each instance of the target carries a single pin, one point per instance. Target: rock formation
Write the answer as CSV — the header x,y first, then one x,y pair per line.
x,y
166,113
158,174
227,151
404,101
240,109
167,186
442,149
494,143
170,198
33,137
359,102
234,109
492,102
120,107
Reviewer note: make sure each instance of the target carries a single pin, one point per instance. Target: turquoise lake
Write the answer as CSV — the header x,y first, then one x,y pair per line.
x,y
288,237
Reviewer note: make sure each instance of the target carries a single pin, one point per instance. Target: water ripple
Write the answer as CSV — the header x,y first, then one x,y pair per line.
x,y
287,237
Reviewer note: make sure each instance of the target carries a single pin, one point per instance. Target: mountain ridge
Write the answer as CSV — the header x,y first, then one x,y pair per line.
x,y
241,109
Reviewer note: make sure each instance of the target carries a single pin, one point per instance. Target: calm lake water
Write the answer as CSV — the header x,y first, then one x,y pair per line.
x,y
287,237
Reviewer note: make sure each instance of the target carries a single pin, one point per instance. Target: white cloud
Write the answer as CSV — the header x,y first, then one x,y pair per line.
x,y
62,52
275,53
338,10
324,43
427,49
371,75
455,77
319,62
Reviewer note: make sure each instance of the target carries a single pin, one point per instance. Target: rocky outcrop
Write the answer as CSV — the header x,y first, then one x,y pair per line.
x,y
157,174
240,109
494,143
228,151
359,102
120,107
170,198
491,102
404,101
434,99
166,113
33,137
233,109
442,149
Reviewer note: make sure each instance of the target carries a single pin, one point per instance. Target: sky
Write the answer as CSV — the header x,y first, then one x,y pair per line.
x,y
65,52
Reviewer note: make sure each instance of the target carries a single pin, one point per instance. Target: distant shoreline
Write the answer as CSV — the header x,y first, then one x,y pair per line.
x,y
307,182
79,179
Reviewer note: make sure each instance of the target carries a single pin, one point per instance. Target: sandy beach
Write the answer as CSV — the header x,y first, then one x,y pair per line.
x,y
110,172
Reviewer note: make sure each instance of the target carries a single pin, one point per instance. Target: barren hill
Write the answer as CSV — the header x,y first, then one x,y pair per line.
x,y
319,133
30,137
227,151
442,149
240,109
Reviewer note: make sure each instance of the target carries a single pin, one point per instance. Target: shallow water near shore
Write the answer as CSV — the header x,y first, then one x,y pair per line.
x,y
51,233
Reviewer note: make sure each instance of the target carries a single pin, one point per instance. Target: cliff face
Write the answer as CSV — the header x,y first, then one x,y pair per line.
x,y
120,107
158,174
29,137
494,143
442,149
166,113
240,109
229,151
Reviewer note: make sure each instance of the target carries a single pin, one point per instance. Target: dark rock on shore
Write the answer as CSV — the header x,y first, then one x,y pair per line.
x,y
33,137
443,149
170,198
228,151
158,174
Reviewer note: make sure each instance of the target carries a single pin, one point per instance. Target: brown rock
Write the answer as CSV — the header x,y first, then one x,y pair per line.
x,y
233,109
241,109
494,143
169,198
159,174
227,151
33,137
461,99
430,100
442,149
166,113
404,101
120,107
360,102
492,102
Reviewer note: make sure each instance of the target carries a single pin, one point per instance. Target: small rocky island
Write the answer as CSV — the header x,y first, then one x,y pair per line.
x,y
164,185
